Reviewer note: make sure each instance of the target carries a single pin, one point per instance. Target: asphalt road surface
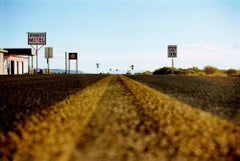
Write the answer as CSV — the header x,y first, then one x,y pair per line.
x,y
24,95
119,119
218,95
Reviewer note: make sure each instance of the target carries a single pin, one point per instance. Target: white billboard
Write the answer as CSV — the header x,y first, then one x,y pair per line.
x,y
172,51
36,38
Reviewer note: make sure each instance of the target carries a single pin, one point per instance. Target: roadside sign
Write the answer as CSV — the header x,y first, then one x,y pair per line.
x,y
172,51
36,38
72,56
48,52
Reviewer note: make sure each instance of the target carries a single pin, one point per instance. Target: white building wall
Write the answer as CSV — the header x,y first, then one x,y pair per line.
x,y
1,64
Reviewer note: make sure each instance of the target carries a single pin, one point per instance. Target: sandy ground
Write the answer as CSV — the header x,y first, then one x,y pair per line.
x,y
118,119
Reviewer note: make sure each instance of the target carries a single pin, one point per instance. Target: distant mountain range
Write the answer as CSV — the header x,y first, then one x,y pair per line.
x,y
63,71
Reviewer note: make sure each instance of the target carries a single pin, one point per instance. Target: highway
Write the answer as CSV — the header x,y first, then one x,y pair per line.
x,y
118,119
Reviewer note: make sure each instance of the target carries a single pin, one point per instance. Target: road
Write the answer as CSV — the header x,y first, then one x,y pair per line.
x,y
24,95
218,95
119,119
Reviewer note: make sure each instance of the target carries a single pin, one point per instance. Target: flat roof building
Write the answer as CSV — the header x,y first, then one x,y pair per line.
x,y
10,58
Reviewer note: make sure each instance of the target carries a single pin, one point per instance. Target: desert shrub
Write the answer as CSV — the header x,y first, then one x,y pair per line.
x,y
180,71
147,73
144,73
210,70
193,71
231,72
163,71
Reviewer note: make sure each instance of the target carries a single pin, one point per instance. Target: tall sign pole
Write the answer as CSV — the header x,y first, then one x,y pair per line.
x,y
172,53
68,65
36,58
36,38
77,66
66,62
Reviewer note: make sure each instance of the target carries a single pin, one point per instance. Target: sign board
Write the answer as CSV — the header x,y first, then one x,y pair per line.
x,y
36,38
172,51
48,52
72,56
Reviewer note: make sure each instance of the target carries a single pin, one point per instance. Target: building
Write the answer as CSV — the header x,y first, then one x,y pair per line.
x,y
2,61
12,60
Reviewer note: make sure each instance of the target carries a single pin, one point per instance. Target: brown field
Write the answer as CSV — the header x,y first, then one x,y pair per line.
x,y
114,118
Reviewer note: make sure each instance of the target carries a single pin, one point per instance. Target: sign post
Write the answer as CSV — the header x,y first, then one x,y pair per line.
x,y
36,38
66,67
72,56
48,54
172,53
132,68
97,64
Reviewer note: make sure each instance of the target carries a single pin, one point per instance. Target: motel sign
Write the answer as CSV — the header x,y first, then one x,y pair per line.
x,y
37,38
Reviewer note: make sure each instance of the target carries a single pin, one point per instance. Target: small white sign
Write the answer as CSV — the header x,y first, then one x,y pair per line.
x,y
48,52
172,51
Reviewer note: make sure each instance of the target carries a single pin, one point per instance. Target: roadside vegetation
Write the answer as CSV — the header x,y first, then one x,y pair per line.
x,y
195,71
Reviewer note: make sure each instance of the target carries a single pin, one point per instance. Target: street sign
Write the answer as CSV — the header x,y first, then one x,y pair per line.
x,y
72,56
172,51
132,67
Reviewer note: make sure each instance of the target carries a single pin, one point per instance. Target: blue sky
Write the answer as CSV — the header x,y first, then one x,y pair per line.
x,y
119,33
